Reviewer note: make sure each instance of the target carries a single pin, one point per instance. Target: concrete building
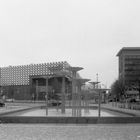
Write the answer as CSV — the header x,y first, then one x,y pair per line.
x,y
23,82
129,66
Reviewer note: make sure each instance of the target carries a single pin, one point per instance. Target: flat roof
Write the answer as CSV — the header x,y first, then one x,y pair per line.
x,y
128,49
50,64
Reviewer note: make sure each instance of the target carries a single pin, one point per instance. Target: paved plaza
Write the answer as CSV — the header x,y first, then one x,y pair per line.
x,y
69,132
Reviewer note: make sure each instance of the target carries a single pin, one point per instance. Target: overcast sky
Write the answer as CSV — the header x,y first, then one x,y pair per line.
x,y
85,33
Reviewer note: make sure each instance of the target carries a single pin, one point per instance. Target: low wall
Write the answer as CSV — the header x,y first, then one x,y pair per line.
x,y
128,106
66,120
70,120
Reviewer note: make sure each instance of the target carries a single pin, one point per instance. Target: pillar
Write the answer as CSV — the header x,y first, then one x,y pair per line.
x,y
36,89
63,94
46,96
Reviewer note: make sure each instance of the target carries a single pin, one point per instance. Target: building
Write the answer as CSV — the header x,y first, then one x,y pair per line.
x,y
129,66
23,82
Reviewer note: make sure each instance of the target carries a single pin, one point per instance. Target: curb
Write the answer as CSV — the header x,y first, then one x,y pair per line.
x,y
18,110
120,111
69,120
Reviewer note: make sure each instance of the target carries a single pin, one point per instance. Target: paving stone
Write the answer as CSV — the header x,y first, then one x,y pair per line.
x,y
69,132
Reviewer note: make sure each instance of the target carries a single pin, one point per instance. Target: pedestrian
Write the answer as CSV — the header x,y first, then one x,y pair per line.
x,y
33,97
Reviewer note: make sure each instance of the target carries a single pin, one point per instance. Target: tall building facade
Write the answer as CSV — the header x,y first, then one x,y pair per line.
x,y
129,66
21,82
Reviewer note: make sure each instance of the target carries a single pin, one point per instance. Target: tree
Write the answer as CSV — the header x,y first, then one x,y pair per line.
x,y
118,89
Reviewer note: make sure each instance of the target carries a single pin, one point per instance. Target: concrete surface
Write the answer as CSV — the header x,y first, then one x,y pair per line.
x,y
69,132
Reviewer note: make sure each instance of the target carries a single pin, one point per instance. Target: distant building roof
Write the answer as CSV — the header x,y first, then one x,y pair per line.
x,y
128,49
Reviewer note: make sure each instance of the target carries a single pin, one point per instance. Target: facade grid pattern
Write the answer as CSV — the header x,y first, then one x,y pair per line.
x,y
129,65
20,75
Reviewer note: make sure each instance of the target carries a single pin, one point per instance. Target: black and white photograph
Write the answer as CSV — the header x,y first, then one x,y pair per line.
x,y
69,70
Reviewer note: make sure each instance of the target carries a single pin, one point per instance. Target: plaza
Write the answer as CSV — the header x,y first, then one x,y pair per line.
x,y
51,101
70,70
69,132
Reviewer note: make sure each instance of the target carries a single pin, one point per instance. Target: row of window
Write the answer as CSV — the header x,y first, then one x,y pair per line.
x,y
132,72
19,75
132,56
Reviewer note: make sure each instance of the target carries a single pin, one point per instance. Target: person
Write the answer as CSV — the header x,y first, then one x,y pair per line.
x,y
2,100
33,97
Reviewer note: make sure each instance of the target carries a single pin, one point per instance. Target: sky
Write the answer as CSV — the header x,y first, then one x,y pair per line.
x,y
85,33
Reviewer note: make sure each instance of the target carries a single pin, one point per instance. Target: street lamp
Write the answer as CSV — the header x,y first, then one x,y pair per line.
x,y
99,95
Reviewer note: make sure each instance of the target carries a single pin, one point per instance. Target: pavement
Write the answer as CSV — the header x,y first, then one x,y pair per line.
x,y
69,132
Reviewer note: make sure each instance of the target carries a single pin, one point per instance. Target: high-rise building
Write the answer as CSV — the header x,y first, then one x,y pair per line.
x,y
21,82
129,66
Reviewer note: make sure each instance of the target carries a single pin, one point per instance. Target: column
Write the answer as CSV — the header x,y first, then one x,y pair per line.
x,y
73,94
63,94
36,89
46,96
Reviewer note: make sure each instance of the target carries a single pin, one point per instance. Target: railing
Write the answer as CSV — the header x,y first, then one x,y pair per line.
x,y
134,106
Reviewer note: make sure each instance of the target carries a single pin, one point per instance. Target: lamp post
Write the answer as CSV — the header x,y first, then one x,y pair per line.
x,y
99,104
99,95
